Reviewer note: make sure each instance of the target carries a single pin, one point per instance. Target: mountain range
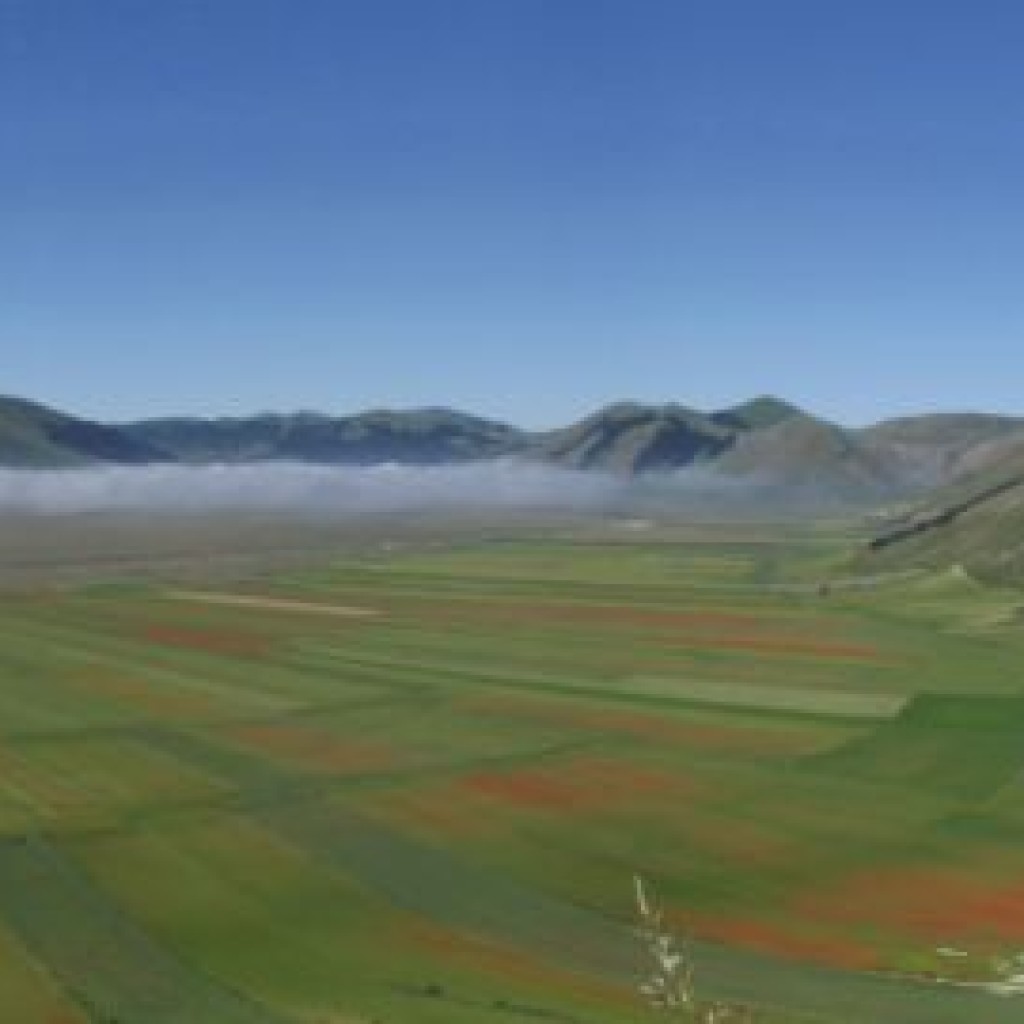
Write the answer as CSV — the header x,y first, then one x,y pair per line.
x,y
950,485
765,440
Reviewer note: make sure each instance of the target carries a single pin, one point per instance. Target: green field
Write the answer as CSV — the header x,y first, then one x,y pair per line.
x,y
413,783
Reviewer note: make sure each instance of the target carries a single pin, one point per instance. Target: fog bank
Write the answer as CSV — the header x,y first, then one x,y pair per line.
x,y
299,487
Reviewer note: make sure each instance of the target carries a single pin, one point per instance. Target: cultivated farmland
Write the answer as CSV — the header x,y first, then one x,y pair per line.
x,y
413,782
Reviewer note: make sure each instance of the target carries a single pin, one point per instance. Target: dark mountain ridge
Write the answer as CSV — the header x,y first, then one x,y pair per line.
x,y
416,437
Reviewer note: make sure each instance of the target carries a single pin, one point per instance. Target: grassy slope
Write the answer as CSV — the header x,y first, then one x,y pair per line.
x,y
34,436
977,524
24,437
434,815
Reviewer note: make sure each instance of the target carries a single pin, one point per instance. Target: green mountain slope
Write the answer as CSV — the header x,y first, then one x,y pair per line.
x,y
806,452
32,435
758,413
975,521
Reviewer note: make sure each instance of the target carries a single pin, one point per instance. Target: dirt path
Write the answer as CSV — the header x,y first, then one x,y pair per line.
x,y
280,604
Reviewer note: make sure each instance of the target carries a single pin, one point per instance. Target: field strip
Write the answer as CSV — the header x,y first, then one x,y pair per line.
x,y
278,687
428,880
842,703
259,782
279,604
254,783
72,645
641,688
489,904
26,984
515,675
101,958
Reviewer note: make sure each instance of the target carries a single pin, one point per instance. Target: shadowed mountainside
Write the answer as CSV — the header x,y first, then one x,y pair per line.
x,y
415,437
632,438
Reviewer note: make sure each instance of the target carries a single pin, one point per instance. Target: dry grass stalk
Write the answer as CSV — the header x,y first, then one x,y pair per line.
x,y
670,986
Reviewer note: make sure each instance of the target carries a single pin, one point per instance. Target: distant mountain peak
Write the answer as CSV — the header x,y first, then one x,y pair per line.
x,y
758,413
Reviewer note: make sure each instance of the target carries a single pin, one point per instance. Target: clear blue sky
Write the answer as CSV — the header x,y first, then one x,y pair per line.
x,y
519,207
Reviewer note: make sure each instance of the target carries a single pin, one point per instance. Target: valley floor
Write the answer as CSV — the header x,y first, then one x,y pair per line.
x,y
412,780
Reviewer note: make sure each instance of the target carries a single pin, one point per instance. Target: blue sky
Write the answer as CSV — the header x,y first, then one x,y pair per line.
x,y
523,208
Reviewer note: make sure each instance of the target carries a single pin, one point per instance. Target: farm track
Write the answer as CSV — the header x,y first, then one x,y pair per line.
x,y
273,604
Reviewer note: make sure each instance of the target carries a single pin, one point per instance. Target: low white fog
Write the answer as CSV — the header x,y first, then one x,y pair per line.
x,y
345,490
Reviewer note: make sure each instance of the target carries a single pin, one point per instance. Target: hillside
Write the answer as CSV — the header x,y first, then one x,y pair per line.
x,y
985,537
813,454
33,435
938,447
975,521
